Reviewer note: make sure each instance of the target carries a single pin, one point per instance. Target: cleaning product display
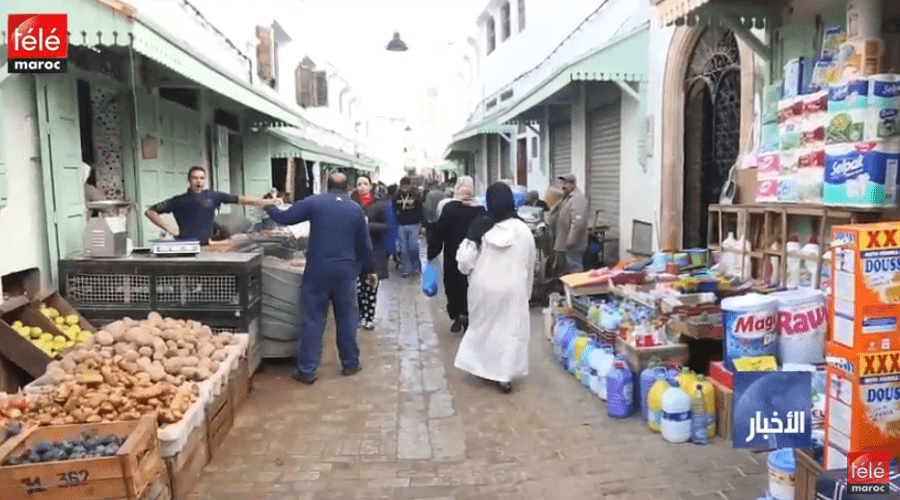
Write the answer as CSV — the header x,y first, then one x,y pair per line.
x,y
675,421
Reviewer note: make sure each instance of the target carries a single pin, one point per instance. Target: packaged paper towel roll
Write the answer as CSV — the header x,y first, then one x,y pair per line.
x,y
884,107
863,18
862,174
810,175
864,57
768,166
787,189
771,96
815,119
767,190
847,103
769,142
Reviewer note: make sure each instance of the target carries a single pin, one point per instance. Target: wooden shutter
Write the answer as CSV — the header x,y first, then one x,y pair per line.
x,y
321,89
265,54
305,86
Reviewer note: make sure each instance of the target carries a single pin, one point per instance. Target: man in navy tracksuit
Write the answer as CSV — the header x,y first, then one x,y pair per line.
x,y
339,251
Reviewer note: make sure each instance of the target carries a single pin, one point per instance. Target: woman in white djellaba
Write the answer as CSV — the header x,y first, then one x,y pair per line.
x,y
498,256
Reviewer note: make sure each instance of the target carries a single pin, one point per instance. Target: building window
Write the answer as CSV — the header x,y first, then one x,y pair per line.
x,y
534,147
491,35
504,16
521,15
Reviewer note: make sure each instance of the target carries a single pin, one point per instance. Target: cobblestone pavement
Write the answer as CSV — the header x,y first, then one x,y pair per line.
x,y
410,426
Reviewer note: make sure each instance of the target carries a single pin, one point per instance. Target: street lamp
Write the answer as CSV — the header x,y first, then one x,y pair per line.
x,y
396,44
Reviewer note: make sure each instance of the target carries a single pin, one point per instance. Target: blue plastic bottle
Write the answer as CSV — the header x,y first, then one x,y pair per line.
x,y
651,374
620,390
699,418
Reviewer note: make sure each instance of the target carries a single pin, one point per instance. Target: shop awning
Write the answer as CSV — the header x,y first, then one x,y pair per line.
x,y
312,151
487,126
113,23
623,59
750,13
449,166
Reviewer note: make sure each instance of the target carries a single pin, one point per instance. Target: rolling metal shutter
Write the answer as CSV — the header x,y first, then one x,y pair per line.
x,y
560,150
604,165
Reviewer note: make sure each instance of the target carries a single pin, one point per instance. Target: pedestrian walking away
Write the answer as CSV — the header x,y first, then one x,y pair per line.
x,y
498,256
568,220
376,217
429,208
450,230
390,242
339,251
409,213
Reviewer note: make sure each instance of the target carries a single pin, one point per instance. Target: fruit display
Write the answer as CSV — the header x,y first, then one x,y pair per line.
x,y
48,342
73,449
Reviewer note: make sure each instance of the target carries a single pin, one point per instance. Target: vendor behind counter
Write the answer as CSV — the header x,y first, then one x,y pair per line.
x,y
195,210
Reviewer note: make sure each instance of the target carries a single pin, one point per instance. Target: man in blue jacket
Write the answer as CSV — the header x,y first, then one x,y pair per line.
x,y
339,251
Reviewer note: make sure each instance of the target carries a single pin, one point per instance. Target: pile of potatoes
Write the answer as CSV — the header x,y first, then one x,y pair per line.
x,y
104,390
131,368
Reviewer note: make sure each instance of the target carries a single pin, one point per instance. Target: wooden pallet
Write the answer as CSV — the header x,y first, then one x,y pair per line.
x,y
127,474
186,468
219,419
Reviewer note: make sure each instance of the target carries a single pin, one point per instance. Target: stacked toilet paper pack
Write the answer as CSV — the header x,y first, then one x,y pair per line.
x,y
790,135
810,173
862,144
769,160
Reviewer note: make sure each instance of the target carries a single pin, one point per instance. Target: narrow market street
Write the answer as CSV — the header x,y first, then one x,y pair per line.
x,y
411,426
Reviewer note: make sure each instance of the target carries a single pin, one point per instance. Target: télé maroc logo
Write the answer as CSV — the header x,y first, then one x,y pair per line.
x,y
868,472
37,43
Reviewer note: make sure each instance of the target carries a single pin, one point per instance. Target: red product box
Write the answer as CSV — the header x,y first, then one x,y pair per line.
x,y
720,374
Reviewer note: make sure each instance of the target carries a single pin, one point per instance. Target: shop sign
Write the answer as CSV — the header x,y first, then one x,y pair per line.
x,y
772,409
37,43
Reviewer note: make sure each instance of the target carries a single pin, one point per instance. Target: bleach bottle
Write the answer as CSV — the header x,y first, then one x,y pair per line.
x,y
607,362
651,374
675,423
687,380
596,362
584,364
620,391
792,277
654,403
699,418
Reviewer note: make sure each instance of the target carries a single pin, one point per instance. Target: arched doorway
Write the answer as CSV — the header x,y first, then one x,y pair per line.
x,y
712,127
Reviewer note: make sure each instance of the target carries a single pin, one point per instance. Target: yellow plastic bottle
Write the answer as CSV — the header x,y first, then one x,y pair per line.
x,y
687,380
579,348
654,403
709,402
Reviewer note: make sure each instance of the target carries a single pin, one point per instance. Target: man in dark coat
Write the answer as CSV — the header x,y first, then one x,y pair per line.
x,y
339,251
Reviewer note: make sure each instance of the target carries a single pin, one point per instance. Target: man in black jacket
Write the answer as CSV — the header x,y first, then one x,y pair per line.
x,y
409,213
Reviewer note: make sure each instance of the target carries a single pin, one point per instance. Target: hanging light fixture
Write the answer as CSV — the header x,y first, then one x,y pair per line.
x,y
396,44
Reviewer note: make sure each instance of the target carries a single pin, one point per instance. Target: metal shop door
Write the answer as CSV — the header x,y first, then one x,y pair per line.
x,y
560,150
604,165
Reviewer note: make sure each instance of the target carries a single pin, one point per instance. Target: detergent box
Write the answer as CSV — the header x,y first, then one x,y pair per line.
x,y
862,403
865,280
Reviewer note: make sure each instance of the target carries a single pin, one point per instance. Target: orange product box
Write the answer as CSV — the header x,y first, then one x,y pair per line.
x,y
865,283
862,404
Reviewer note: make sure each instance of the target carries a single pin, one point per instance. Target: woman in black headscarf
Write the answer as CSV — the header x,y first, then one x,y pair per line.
x,y
498,256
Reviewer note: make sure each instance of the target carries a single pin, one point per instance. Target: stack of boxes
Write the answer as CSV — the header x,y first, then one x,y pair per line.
x,y
863,353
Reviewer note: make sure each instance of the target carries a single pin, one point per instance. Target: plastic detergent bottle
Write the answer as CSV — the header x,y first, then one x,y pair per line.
x,y
745,266
584,366
825,281
606,364
687,380
775,264
620,391
729,246
654,403
596,362
698,417
792,277
809,267
675,423
575,362
709,402
649,375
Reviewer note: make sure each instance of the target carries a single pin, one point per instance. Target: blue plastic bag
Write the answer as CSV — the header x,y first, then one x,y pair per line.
x,y
429,280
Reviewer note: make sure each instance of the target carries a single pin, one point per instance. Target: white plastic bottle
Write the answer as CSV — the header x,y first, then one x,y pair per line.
x,y
809,267
675,424
775,264
745,267
792,277
825,281
729,246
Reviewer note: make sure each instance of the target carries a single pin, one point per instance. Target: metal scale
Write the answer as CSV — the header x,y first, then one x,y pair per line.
x,y
106,232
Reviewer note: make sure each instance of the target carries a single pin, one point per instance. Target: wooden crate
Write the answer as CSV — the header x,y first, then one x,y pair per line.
x,y
219,419
186,467
240,384
724,410
158,489
52,298
639,357
17,349
128,474
806,475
